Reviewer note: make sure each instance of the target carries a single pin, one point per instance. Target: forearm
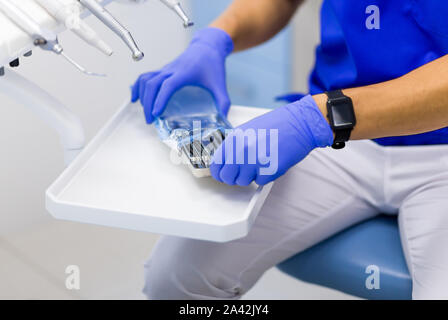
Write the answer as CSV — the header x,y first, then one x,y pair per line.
x,y
412,104
251,22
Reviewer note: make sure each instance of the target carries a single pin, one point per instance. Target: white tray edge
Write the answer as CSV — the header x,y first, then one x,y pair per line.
x,y
64,210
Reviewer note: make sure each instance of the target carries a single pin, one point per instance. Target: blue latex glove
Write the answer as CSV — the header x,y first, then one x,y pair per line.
x,y
201,64
301,127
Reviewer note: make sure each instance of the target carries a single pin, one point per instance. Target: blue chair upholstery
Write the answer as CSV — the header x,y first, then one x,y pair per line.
x,y
340,262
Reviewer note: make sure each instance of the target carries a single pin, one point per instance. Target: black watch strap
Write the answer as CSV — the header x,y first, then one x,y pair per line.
x,y
341,135
335,94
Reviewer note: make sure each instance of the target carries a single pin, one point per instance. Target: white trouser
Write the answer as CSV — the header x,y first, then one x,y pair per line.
x,y
327,192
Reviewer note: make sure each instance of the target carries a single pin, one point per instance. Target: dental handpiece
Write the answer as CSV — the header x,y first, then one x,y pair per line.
x,y
69,15
43,38
177,8
108,19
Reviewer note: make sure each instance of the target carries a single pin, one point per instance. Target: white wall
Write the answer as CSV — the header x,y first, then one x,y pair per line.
x,y
31,157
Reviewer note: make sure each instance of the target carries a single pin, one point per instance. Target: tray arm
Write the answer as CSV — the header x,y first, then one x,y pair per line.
x,y
47,108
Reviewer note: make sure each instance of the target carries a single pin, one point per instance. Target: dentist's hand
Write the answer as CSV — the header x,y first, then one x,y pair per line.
x,y
264,148
202,64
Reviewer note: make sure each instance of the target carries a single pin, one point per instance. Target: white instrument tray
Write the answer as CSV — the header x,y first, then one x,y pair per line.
x,y
124,178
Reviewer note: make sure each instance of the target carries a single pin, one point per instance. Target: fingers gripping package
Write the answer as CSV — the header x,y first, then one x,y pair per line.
x,y
193,128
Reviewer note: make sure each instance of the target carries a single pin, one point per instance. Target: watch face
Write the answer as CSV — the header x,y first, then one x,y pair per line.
x,y
342,114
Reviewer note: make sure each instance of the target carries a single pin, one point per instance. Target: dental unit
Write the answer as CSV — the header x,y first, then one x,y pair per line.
x,y
42,37
68,14
29,23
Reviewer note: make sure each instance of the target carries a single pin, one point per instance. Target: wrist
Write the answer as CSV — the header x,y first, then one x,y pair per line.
x,y
215,38
321,104
311,113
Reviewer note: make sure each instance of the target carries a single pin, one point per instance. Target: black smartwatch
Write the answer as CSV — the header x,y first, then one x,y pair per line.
x,y
341,116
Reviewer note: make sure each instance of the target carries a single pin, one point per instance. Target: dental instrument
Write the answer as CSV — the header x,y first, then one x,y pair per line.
x,y
192,126
69,15
43,38
177,8
109,20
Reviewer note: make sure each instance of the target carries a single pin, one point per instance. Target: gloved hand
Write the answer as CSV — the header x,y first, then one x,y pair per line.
x,y
202,64
264,148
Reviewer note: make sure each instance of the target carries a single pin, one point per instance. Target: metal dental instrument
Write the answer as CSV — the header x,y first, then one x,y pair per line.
x,y
177,8
69,15
43,38
81,68
199,151
102,14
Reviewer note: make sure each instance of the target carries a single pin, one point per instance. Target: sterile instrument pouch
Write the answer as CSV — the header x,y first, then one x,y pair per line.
x,y
193,128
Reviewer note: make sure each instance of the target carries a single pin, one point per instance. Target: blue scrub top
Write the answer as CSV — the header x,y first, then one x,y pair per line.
x,y
411,33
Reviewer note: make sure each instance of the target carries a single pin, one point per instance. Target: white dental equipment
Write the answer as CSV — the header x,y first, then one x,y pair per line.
x,y
24,24
109,20
50,110
42,37
68,14
124,178
45,15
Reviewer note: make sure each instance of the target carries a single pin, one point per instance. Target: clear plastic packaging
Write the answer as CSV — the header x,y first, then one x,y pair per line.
x,y
192,126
